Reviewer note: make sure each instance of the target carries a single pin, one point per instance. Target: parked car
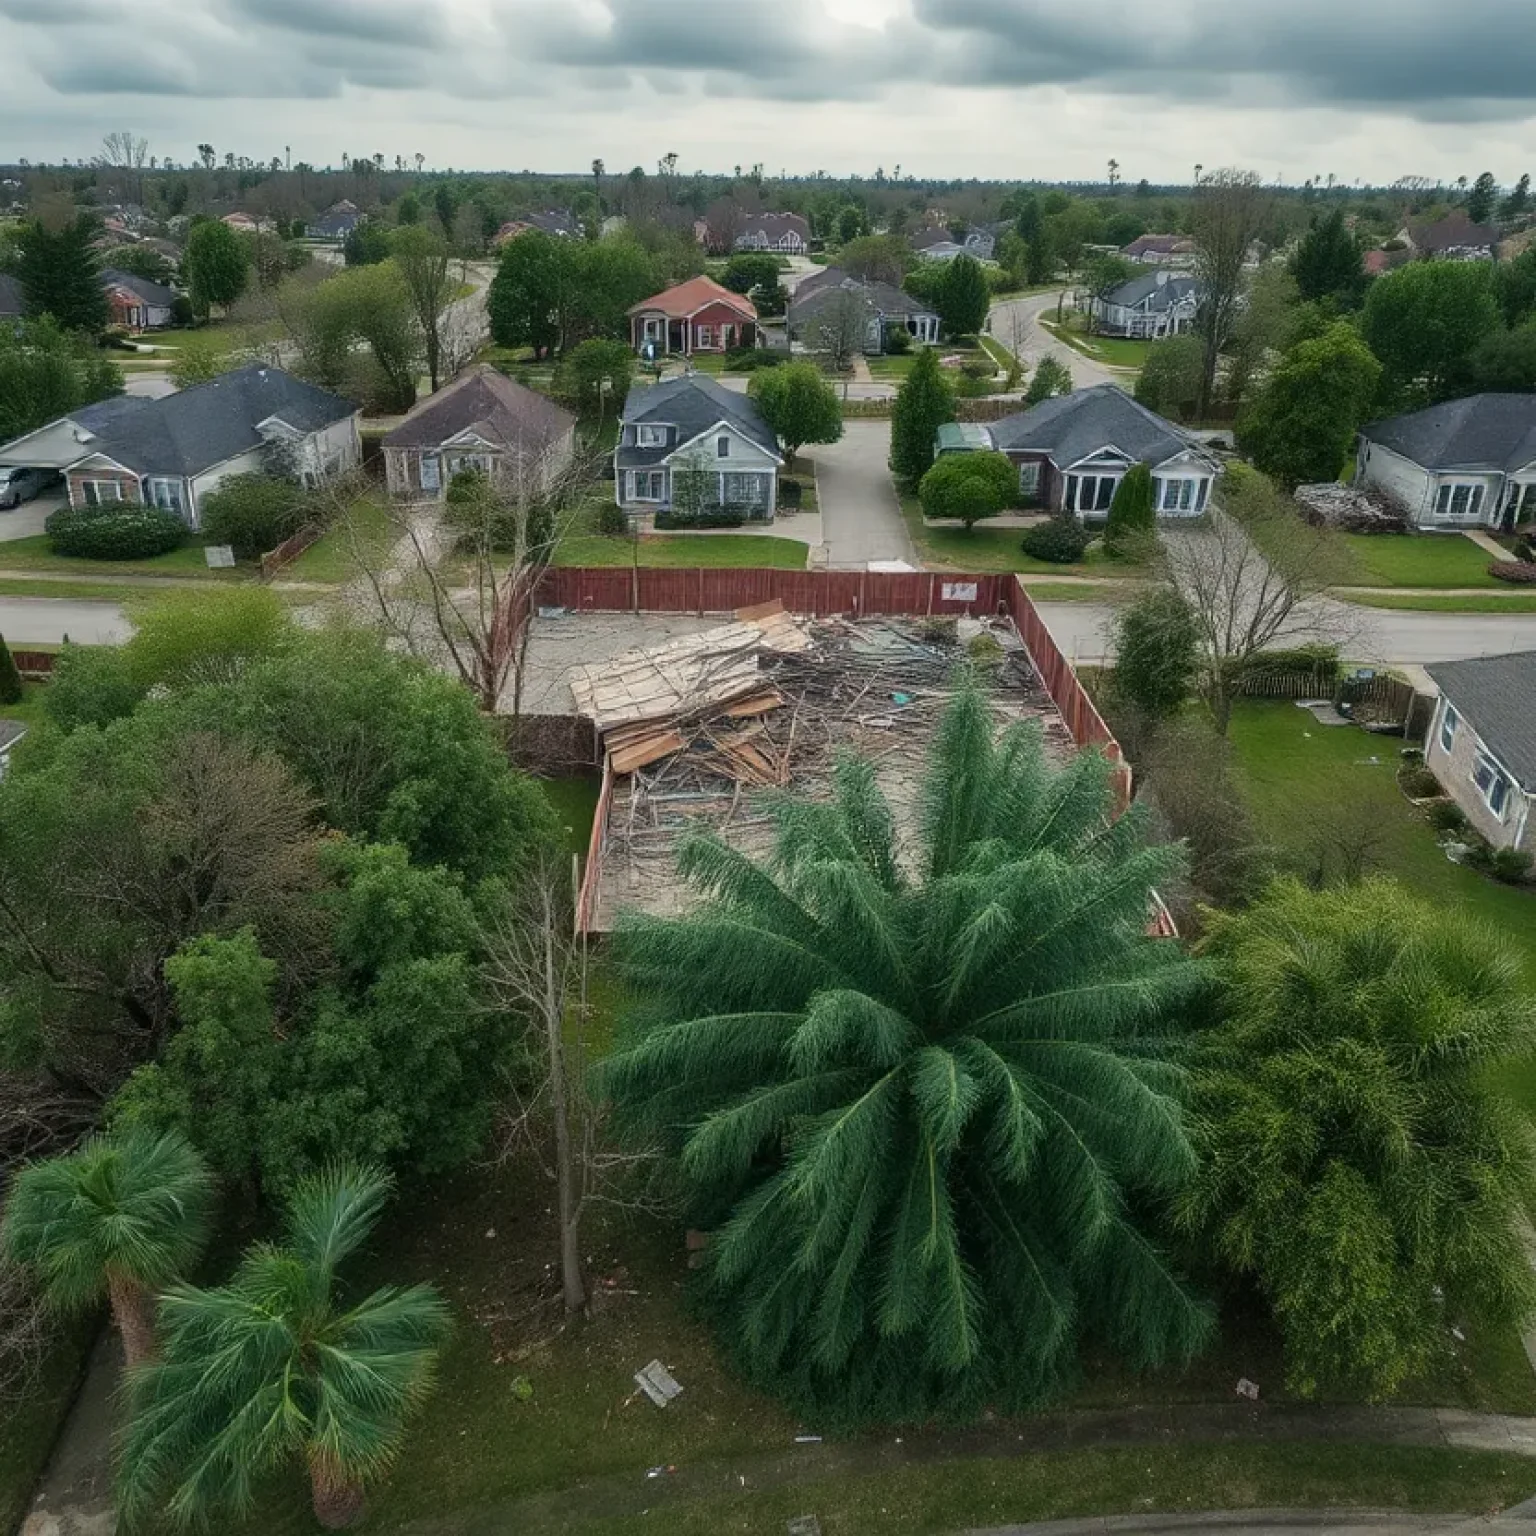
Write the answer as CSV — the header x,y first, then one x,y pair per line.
x,y
20,482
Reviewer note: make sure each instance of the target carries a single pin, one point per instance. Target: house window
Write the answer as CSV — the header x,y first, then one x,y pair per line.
x,y
469,463
650,437
100,493
431,472
722,447
1459,502
166,494
743,490
1029,480
1449,720
1182,496
1091,493
647,485
1522,501
704,337
1491,783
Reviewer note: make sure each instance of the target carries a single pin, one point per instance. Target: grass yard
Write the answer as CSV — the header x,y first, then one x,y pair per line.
x,y
1431,602
1112,351
982,549
892,367
1419,560
683,550
333,557
1048,591
87,591
30,710
36,554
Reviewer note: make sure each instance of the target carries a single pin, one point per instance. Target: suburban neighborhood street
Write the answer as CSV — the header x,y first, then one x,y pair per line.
x,y
1020,318
51,620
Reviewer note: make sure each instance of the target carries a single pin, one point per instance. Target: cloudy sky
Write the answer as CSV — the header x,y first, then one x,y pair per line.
x,y
1371,89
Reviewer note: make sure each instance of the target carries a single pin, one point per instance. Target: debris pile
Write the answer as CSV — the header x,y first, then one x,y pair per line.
x,y
694,730
1350,508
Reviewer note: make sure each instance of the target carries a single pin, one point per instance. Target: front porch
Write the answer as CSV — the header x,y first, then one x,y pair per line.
x,y
751,494
667,336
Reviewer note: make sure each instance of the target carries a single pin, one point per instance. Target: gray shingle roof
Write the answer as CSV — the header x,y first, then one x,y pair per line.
x,y
1071,427
886,299
692,404
1164,290
196,428
151,293
1496,695
487,402
1477,432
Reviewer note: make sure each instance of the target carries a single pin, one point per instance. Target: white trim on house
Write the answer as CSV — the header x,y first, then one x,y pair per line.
x,y
726,427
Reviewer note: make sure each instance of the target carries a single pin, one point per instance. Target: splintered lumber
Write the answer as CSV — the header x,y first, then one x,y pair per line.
x,y
771,609
758,704
647,748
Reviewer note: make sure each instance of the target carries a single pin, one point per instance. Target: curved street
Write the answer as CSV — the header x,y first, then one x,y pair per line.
x,y
1016,324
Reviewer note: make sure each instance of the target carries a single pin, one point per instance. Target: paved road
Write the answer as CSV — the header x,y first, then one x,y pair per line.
x,y
51,620
1378,635
1015,323
860,518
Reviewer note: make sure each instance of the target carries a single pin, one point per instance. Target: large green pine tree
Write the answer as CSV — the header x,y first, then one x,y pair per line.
x,y
10,678
60,275
924,403
920,1096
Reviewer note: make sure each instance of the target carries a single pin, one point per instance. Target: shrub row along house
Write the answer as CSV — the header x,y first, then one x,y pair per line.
x,y
172,452
1468,463
1073,451
693,431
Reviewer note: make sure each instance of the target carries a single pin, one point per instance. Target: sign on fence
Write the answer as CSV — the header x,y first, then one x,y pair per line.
x,y
959,591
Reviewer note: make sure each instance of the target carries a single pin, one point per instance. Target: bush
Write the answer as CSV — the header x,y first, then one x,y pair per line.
x,y
253,514
1447,816
10,678
1511,865
1156,646
790,493
753,359
1063,540
978,367
1525,549
1418,783
714,517
611,520
1132,514
898,341
1520,572
969,486
125,532
1315,662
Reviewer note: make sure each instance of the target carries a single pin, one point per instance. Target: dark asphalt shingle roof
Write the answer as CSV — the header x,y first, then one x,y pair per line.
x,y
196,428
692,404
1496,695
490,404
885,298
1071,427
1165,291
151,293
1477,432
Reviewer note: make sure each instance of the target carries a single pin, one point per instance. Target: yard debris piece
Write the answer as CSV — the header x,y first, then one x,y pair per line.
x,y
1248,1389
1351,508
697,730
807,1439
663,1471
804,1525
657,1382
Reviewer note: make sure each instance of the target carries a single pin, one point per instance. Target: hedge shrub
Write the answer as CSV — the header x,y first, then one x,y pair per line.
x,y
1521,572
717,517
1062,540
122,532
253,514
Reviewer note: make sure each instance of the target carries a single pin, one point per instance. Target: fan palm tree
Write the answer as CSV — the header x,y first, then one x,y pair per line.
x,y
921,1096
275,1366
119,1217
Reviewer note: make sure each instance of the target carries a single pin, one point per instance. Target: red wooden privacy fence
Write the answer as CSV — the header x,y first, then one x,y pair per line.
x,y
34,663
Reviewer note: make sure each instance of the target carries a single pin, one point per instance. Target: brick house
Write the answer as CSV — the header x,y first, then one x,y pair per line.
x,y
700,315
1481,744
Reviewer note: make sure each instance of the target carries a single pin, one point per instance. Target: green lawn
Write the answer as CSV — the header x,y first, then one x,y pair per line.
x,y
682,550
1419,560
1300,776
333,557
86,591
1048,591
1428,602
36,554
982,549
1112,351
892,367
29,710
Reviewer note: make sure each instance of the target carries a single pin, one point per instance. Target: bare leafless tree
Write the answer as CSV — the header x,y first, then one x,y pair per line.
x,y
1230,208
839,327
1254,576
123,151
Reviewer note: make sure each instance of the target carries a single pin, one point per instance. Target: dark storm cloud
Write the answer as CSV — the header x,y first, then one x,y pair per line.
x,y
370,23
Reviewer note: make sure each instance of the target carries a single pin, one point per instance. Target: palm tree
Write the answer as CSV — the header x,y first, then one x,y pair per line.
x,y
273,1366
919,1096
120,1217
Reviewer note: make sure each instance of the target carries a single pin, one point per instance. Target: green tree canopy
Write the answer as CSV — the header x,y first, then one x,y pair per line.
x,y
217,265
368,244
253,513
1133,512
970,486
45,373
963,297
114,1220
1423,322
595,376
1505,361
1514,286
1302,423
10,678
799,404
1169,382
1327,262
1360,1155
60,275
1156,654
366,307
878,258
1051,377
1482,197
921,1103
280,1366
748,270
924,403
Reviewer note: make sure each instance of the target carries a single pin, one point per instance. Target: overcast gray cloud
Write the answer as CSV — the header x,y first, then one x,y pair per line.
x,y
984,87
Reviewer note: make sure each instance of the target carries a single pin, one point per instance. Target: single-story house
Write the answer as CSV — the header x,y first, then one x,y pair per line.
x,y
1453,238
481,421
1468,463
786,234
940,245
1155,304
1073,451
700,315
694,424
1161,251
559,222
886,309
137,304
246,223
1482,743
336,223
174,451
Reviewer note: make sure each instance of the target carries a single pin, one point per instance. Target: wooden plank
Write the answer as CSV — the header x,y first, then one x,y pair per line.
x,y
647,749
758,704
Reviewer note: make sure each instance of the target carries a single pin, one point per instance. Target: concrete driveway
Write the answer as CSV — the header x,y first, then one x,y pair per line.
x,y
860,517
26,521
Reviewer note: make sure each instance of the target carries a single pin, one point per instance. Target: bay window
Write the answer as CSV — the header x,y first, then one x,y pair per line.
x,y
1459,502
